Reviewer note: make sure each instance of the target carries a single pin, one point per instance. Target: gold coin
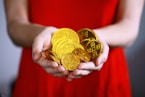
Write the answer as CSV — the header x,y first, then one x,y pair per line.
x,y
94,48
65,33
59,40
86,33
58,44
46,54
85,42
56,59
68,51
65,47
53,56
70,61
82,54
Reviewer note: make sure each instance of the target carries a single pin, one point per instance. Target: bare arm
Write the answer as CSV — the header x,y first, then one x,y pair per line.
x,y
26,34
125,30
21,31
121,34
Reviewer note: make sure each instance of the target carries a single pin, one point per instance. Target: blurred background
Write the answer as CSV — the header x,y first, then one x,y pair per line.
x,y
10,56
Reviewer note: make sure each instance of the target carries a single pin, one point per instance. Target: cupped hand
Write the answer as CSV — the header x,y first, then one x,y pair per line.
x,y
41,43
86,68
102,58
82,70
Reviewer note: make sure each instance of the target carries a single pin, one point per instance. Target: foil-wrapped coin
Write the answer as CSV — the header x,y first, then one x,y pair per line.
x,y
70,48
86,33
54,56
94,48
82,54
70,61
66,33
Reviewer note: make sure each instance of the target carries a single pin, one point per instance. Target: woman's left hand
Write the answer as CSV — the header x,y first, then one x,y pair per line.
x,y
86,68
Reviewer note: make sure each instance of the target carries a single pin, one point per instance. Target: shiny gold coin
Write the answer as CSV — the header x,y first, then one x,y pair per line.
x,y
55,58
59,40
65,47
85,42
62,40
86,33
58,44
70,61
94,48
46,54
82,54
65,33
52,55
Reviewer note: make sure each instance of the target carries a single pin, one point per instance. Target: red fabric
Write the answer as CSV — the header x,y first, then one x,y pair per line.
x,y
111,81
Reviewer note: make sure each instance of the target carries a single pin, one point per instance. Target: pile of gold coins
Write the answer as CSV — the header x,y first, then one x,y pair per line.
x,y
90,42
69,48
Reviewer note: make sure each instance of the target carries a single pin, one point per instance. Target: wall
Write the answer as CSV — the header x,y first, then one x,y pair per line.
x,y
136,60
9,57
10,54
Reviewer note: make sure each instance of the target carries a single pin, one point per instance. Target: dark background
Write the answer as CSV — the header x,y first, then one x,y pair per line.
x,y
136,61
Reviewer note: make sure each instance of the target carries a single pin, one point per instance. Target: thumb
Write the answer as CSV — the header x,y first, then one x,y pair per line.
x,y
37,50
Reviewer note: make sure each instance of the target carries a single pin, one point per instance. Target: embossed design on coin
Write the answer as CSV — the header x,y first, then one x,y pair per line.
x,y
70,61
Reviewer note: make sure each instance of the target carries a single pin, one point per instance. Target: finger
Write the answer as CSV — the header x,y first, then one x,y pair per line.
x,y
37,49
101,59
98,68
90,66
59,74
52,28
77,73
80,72
51,70
87,66
46,46
104,55
55,72
51,63
70,79
60,68
47,63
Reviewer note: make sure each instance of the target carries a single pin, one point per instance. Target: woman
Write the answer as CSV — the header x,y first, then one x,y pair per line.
x,y
31,24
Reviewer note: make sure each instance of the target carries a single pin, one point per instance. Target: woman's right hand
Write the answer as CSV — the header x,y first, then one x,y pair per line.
x,y
42,42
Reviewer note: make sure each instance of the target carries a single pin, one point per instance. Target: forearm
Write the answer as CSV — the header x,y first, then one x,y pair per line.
x,y
23,34
121,34
21,31
125,30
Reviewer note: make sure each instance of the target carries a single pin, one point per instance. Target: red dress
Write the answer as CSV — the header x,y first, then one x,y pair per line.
x,y
111,81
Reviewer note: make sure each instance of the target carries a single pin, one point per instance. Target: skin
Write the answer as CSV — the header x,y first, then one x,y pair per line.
x,y
26,34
